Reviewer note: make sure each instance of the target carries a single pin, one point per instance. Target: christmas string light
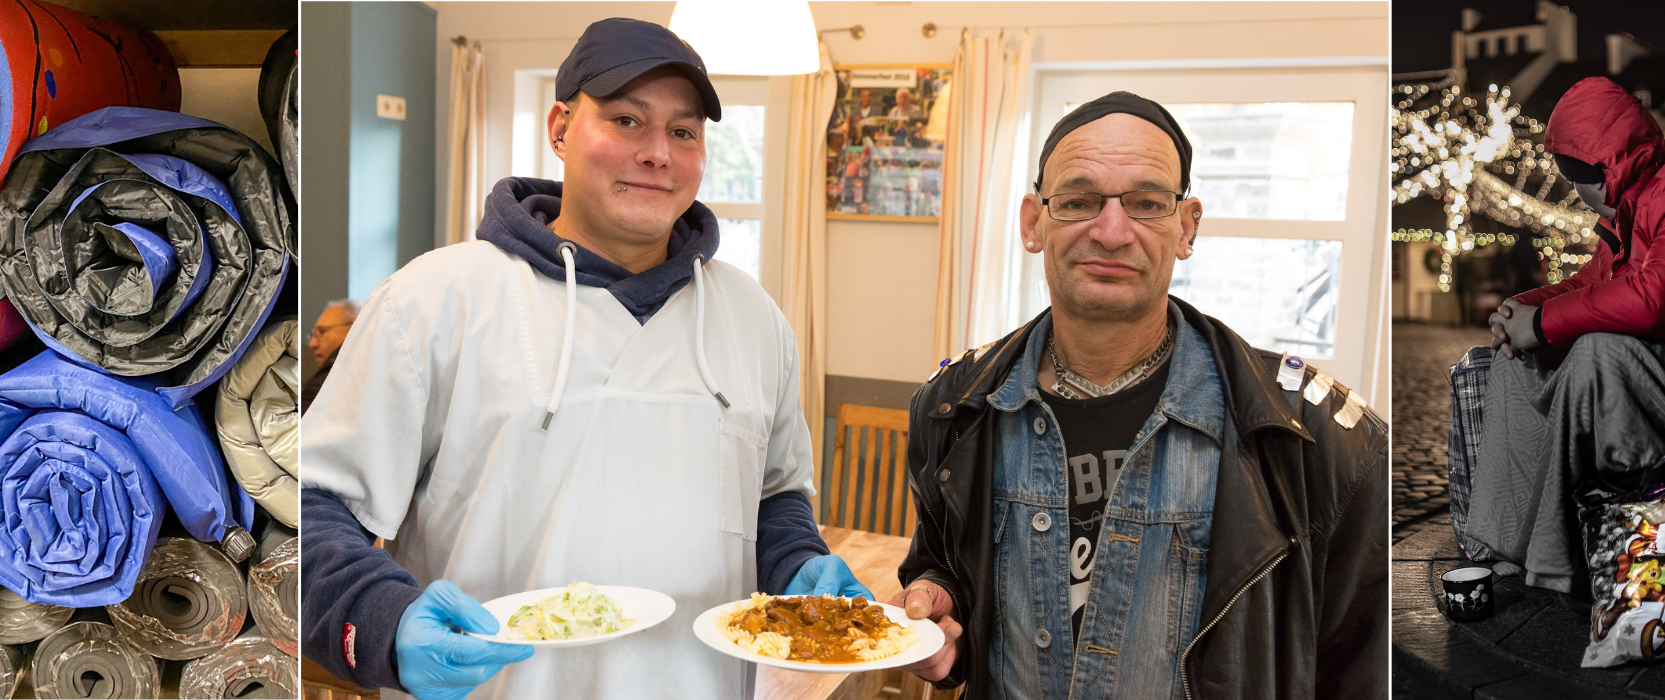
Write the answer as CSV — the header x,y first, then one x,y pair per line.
x,y
1459,152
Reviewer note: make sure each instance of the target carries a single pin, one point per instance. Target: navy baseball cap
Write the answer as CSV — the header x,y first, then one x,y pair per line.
x,y
613,52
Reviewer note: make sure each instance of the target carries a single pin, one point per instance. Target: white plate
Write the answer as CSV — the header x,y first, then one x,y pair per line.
x,y
647,607
927,641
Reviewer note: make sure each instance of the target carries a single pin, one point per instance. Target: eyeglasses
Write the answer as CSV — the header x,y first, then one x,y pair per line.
x,y
1138,204
319,331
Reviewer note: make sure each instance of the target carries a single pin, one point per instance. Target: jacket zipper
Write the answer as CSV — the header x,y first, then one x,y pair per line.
x,y
942,523
1184,679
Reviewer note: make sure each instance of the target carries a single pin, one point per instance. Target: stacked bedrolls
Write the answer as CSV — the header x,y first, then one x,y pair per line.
x,y
149,375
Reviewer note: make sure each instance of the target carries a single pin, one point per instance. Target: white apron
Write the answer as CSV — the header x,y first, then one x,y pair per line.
x,y
642,479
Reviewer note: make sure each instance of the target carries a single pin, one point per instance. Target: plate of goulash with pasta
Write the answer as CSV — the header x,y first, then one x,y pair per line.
x,y
818,634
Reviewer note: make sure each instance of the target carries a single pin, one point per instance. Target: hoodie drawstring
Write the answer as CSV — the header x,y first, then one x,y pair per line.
x,y
566,249
699,331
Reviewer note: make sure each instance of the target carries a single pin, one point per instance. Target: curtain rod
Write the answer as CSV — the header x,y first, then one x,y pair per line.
x,y
1152,24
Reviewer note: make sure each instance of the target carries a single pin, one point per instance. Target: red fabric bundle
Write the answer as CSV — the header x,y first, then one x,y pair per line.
x,y
57,64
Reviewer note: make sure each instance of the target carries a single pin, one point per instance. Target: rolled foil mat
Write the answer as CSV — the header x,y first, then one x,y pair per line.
x,y
189,601
11,670
90,660
250,667
22,621
275,596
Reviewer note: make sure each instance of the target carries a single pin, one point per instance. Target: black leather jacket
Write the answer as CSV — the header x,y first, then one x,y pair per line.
x,y
1296,604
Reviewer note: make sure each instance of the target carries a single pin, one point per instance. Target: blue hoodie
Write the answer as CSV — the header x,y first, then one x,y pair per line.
x,y
348,584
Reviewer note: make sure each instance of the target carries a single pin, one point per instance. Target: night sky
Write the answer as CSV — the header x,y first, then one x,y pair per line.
x,y
1422,28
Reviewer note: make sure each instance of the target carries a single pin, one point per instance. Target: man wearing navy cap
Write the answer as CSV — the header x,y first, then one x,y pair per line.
x,y
583,394
1122,499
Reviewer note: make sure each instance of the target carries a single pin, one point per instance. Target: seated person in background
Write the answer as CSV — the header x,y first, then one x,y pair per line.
x,y
1578,397
327,336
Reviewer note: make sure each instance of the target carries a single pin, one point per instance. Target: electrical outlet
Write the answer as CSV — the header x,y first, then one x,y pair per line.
x,y
390,107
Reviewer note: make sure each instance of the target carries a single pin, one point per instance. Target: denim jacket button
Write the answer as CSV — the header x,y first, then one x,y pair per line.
x,y
1042,522
942,475
1043,639
1040,426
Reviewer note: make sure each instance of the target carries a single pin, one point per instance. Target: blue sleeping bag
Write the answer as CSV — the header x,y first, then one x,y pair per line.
x,y
88,466
143,243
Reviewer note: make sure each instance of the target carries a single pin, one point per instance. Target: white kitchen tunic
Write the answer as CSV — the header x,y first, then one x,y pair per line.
x,y
428,430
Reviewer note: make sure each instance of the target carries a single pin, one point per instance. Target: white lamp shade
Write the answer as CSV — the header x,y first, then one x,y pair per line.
x,y
749,37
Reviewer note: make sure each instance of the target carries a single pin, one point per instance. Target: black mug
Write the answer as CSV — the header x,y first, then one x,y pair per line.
x,y
1469,593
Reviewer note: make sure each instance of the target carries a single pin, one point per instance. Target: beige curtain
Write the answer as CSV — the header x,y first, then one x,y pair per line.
x,y
980,255
466,142
804,240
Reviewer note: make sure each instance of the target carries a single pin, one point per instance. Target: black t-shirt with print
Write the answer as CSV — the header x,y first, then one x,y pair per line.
x,y
1097,434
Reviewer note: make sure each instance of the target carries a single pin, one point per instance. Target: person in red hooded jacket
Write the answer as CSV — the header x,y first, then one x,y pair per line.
x,y
1578,398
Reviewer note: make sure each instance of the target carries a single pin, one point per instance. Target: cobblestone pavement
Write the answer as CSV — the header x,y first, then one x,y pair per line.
x,y
1422,355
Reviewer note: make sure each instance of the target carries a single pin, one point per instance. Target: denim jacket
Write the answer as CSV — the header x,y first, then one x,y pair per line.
x,y
1295,582
1151,562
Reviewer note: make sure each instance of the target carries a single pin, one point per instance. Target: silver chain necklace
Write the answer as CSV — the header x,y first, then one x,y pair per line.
x,y
1071,385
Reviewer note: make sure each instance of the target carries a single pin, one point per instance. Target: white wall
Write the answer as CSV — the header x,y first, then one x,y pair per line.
x,y
881,285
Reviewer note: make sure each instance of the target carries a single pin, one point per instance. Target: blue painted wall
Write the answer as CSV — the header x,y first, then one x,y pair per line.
x,y
368,206
391,217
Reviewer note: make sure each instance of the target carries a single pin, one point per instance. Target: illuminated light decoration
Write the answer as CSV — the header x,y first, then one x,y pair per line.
x,y
1448,151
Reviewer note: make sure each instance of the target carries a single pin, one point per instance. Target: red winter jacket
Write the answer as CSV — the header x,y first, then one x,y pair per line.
x,y
1620,291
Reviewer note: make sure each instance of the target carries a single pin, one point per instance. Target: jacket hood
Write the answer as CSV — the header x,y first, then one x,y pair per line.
x,y
1599,123
518,212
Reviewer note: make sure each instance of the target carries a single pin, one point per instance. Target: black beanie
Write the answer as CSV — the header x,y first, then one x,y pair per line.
x,y
1579,171
1123,103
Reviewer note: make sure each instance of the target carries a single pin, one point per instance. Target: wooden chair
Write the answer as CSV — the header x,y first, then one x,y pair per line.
x,y
868,484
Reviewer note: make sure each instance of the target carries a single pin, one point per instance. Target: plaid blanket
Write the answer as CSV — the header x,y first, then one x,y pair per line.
x,y
1468,384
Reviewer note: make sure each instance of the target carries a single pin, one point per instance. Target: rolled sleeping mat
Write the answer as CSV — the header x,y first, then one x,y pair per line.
x,y
258,419
11,670
22,621
57,64
89,659
275,596
250,667
279,106
189,601
146,243
89,464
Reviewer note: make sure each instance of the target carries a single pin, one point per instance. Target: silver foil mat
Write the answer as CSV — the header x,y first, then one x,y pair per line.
x,y
11,670
90,660
275,596
250,667
189,600
22,621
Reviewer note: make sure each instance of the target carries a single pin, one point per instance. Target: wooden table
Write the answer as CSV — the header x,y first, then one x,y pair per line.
x,y
874,558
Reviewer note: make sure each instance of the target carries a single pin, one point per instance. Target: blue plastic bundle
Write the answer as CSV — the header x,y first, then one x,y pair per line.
x,y
146,244
89,464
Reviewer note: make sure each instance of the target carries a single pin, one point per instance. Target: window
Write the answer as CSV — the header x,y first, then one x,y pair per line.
x,y
733,184
1289,171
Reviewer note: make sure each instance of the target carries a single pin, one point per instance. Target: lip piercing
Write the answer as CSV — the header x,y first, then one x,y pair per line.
x,y
621,189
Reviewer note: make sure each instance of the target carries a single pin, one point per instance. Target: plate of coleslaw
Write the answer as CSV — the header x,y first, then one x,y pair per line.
x,y
575,615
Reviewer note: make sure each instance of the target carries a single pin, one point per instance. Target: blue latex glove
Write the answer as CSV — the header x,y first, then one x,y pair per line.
x,y
436,662
830,575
